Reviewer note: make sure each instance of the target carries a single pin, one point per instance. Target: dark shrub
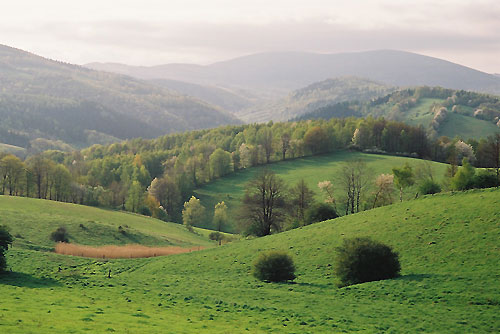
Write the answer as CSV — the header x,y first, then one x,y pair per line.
x,y
145,211
5,241
485,179
216,236
60,235
428,187
319,212
274,266
122,230
362,260
162,215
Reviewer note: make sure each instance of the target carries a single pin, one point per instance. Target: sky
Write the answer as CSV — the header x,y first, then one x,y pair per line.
x,y
152,32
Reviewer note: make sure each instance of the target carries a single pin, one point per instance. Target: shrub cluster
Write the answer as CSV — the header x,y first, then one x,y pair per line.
x,y
428,187
319,212
362,260
274,266
60,235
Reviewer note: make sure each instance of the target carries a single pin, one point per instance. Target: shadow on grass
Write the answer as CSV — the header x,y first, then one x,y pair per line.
x,y
415,277
27,281
312,285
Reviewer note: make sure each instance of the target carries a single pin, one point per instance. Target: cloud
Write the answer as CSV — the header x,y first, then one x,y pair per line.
x,y
461,30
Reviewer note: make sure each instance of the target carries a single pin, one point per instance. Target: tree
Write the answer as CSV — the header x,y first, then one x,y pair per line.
x,y
220,163
354,178
316,140
39,167
135,197
384,187
265,138
62,182
327,188
464,178
166,191
285,144
263,206
403,178
5,241
220,216
301,197
12,169
193,213
493,153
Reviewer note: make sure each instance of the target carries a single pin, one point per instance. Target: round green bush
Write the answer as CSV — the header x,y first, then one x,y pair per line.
x,y
274,266
319,212
362,260
60,235
428,187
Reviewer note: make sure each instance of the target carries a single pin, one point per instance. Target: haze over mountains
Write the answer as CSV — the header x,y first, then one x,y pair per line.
x,y
42,98
48,104
261,86
288,71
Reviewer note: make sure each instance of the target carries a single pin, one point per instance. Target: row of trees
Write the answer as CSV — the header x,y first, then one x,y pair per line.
x,y
143,175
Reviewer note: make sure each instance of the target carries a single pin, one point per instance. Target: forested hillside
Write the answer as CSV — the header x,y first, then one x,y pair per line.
x,y
155,177
48,104
442,112
314,96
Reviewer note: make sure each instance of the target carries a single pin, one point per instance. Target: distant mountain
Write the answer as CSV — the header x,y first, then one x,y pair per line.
x,y
230,100
443,112
315,96
42,98
279,73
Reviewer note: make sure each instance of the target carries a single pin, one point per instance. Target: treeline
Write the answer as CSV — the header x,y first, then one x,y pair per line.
x,y
155,177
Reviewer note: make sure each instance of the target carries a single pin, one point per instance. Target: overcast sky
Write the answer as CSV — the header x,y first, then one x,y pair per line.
x,y
150,32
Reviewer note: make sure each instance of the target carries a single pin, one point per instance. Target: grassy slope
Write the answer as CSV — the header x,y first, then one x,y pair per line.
x,y
455,124
12,149
311,169
448,246
467,127
33,220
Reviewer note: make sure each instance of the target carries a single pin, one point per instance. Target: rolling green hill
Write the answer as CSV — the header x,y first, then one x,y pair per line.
x,y
312,169
33,220
448,246
462,113
42,98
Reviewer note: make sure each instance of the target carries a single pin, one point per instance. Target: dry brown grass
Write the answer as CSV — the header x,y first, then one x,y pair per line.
x,y
119,252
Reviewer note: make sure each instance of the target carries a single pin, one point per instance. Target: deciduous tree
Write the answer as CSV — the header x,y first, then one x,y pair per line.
x,y
263,206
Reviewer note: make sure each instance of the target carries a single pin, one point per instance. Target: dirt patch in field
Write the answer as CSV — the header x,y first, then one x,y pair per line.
x,y
119,252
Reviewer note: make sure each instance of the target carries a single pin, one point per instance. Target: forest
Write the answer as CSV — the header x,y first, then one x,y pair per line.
x,y
157,176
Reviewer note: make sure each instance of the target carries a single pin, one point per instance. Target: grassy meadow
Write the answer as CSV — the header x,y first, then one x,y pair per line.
x,y
448,246
313,169
32,221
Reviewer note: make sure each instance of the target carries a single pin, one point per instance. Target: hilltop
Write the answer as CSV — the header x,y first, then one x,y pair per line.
x,y
48,104
448,251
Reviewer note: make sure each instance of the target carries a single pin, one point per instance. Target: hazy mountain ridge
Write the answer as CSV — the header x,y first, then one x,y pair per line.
x,y
54,100
317,95
287,71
